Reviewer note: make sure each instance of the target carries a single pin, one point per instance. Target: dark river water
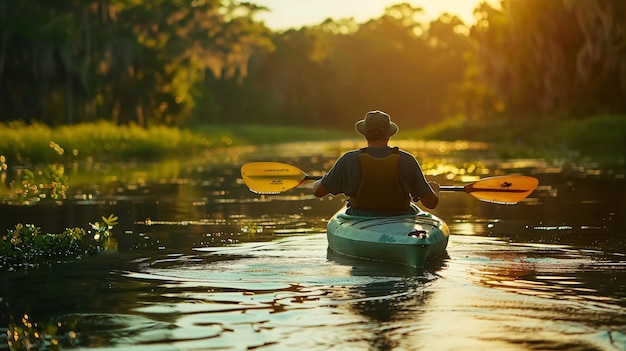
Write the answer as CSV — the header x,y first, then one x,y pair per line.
x,y
202,263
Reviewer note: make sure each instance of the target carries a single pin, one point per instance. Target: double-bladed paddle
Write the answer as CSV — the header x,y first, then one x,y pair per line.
x,y
275,177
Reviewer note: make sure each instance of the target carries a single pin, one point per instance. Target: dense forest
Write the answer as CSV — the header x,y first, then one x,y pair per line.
x,y
190,62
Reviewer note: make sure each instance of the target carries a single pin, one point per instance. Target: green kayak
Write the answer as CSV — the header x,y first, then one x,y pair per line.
x,y
408,239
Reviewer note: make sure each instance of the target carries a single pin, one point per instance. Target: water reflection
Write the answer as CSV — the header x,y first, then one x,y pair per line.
x,y
332,293
203,263
386,304
545,282
255,292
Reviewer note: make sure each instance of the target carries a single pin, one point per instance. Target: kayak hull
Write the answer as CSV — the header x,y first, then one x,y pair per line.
x,y
410,240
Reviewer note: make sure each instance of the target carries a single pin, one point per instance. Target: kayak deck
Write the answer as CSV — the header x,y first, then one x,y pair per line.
x,y
408,239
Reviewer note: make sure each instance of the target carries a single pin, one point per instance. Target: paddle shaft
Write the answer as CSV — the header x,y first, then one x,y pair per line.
x,y
441,187
450,188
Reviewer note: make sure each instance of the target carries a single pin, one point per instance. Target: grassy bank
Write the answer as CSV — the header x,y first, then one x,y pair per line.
x,y
602,138
38,143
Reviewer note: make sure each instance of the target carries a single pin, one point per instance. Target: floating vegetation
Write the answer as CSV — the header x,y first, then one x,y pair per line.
x,y
26,246
29,335
33,185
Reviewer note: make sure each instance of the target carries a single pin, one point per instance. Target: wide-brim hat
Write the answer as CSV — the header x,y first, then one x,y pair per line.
x,y
376,124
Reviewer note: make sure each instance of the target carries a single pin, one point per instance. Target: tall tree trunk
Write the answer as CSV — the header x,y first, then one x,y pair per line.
x,y
115,113
140,115
69,97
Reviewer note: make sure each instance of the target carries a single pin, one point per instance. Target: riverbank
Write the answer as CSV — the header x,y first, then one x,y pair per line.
x,y
602,138
23,144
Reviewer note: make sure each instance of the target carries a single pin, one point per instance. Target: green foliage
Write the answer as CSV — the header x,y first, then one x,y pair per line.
x,y
26,245
134,61
171,63
104,141
602,137
102,228
27,334
31,185
596,135
330,75
48,182
36,143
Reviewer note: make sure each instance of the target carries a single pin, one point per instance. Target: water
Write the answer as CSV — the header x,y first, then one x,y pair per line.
x,y
202,263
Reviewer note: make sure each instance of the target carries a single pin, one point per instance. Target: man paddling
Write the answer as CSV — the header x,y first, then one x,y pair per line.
x,y
378,179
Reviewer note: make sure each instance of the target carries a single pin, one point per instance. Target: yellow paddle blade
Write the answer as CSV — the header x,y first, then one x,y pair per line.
x,y
504,190
271,177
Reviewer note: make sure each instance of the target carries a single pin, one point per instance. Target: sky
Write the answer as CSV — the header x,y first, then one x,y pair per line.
x,y
286,14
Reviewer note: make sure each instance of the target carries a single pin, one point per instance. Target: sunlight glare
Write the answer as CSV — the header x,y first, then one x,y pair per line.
x,y
284,14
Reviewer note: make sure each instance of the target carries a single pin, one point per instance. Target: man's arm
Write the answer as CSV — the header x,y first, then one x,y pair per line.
x,y
431,200
337,179
319,190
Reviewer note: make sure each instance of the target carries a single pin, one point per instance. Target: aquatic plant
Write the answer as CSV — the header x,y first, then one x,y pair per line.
x,y
39,183
35,182
26,246
28,335
26,186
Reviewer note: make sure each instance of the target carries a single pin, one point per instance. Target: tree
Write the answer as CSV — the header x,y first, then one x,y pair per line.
x,y
127,60
555,57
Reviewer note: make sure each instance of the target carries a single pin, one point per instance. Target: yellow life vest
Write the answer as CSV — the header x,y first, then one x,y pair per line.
x,y
380,189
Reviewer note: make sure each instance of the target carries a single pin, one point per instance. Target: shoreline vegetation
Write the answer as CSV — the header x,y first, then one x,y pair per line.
x,y
24,145
30,144
601,137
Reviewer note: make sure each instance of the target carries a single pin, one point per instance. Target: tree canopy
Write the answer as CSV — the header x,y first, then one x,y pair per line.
x,y
208,61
